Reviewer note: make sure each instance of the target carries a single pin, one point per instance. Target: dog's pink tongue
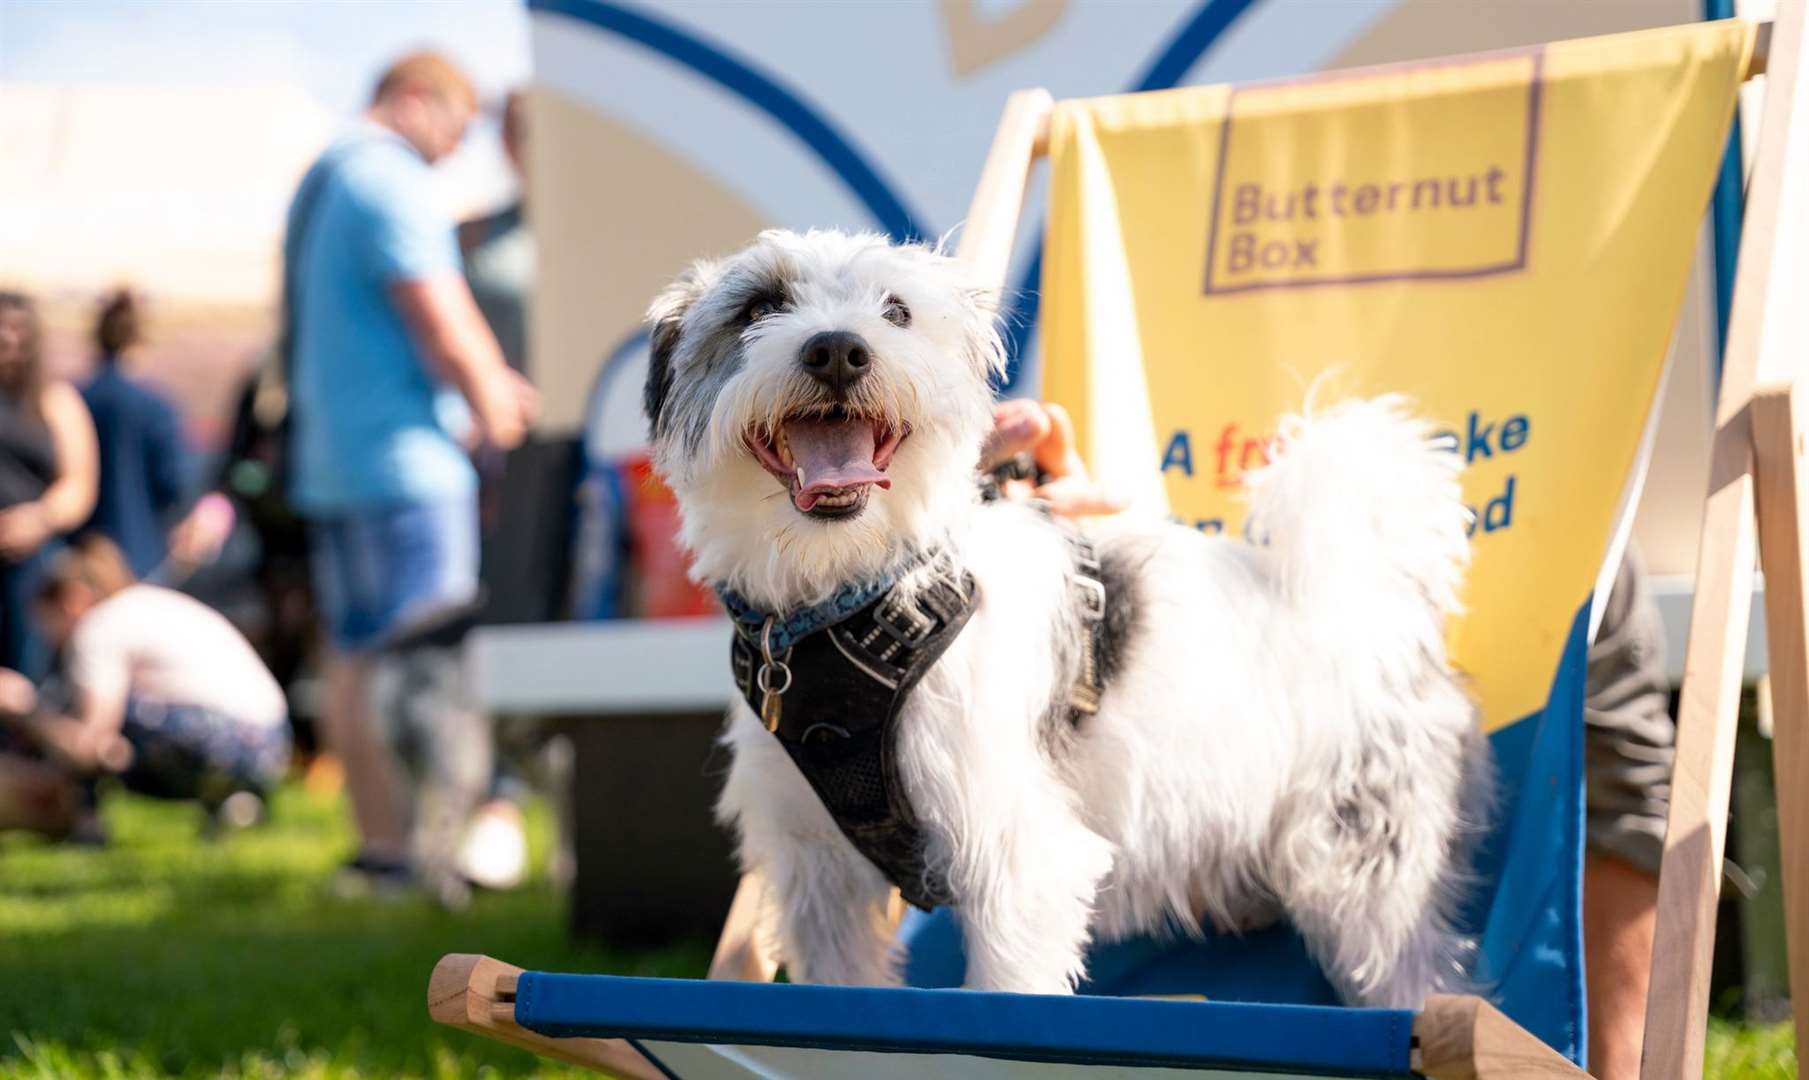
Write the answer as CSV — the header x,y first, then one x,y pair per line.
x,y
831,454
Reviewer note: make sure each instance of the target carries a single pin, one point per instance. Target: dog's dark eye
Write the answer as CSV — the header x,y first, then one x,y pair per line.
x,y
896,312
760,307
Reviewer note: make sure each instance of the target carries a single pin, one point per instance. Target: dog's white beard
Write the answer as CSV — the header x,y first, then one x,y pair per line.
x,y
742,530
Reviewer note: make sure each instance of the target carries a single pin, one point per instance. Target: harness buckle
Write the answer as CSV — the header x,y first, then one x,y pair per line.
x,y
1092,595
918,630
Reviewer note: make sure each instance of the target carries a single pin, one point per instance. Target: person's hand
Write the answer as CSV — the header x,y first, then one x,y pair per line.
x,y
18,697
199,536
1045,431
527,398
510,407
23,530
110,751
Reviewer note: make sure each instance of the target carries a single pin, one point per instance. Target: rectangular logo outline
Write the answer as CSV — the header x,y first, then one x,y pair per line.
x,y
1535,88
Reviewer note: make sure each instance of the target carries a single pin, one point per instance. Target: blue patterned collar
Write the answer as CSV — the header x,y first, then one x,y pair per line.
x,y
793,626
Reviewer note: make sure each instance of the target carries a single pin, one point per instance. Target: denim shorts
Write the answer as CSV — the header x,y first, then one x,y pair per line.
x,y
22,646
381,571
190,751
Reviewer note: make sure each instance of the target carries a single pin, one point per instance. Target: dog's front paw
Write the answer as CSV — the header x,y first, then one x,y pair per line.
x,y
1025,967
1025,983
880,969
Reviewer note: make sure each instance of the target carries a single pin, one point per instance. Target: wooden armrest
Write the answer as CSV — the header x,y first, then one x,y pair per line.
x,y
477,994
1461,1037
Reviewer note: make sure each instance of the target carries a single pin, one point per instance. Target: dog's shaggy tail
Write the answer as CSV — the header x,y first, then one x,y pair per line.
x,y
1367,542
1365,526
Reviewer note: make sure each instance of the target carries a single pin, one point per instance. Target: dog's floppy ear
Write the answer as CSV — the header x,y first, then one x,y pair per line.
x,y
979,307
986,344
665,320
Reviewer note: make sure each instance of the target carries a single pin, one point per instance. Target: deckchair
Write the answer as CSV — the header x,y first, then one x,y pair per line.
x,y
1528,920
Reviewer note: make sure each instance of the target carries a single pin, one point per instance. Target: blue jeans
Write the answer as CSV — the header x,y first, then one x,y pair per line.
x,y
381,571
22,647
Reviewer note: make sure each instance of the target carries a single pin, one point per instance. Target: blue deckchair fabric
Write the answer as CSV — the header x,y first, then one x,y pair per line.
x,y
1017,1027
1524,908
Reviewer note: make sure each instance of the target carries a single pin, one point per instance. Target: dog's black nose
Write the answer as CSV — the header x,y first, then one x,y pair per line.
x,y
838,358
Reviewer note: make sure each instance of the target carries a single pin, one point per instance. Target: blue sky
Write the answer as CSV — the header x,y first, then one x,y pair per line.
x,y
332,48
217,207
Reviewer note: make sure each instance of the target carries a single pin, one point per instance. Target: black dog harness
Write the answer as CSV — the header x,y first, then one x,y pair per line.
x,y
830,683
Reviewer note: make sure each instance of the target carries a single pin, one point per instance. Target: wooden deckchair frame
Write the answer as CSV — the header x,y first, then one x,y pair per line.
x,y
1454,1037
1756,499
1758,505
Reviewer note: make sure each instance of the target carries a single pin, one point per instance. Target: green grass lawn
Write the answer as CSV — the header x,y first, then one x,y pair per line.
x,y
1737,1050
163,955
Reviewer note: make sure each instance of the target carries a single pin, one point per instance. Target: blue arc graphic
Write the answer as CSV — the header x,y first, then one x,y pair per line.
x,y
787,107
740,77
1171,64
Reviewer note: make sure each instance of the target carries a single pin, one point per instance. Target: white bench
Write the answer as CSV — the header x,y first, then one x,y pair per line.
x,y
681,665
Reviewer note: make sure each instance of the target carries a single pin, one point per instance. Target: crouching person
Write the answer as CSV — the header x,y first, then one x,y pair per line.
x,y
153,686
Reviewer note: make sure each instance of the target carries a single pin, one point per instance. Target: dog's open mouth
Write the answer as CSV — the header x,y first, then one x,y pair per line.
x,y
829,461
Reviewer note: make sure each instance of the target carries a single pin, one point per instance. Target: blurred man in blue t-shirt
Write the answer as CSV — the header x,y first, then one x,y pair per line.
x,y
395,379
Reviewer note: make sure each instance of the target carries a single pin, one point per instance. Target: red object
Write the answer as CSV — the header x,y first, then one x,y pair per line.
x,y
661,587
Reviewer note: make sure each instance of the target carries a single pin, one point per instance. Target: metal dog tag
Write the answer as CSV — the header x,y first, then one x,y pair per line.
x,y
771,668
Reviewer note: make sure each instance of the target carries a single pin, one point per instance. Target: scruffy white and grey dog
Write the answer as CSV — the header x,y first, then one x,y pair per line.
x,y
1277,729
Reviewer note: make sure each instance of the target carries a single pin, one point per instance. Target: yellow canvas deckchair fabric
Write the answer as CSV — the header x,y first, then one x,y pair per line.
x,y
1505,238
